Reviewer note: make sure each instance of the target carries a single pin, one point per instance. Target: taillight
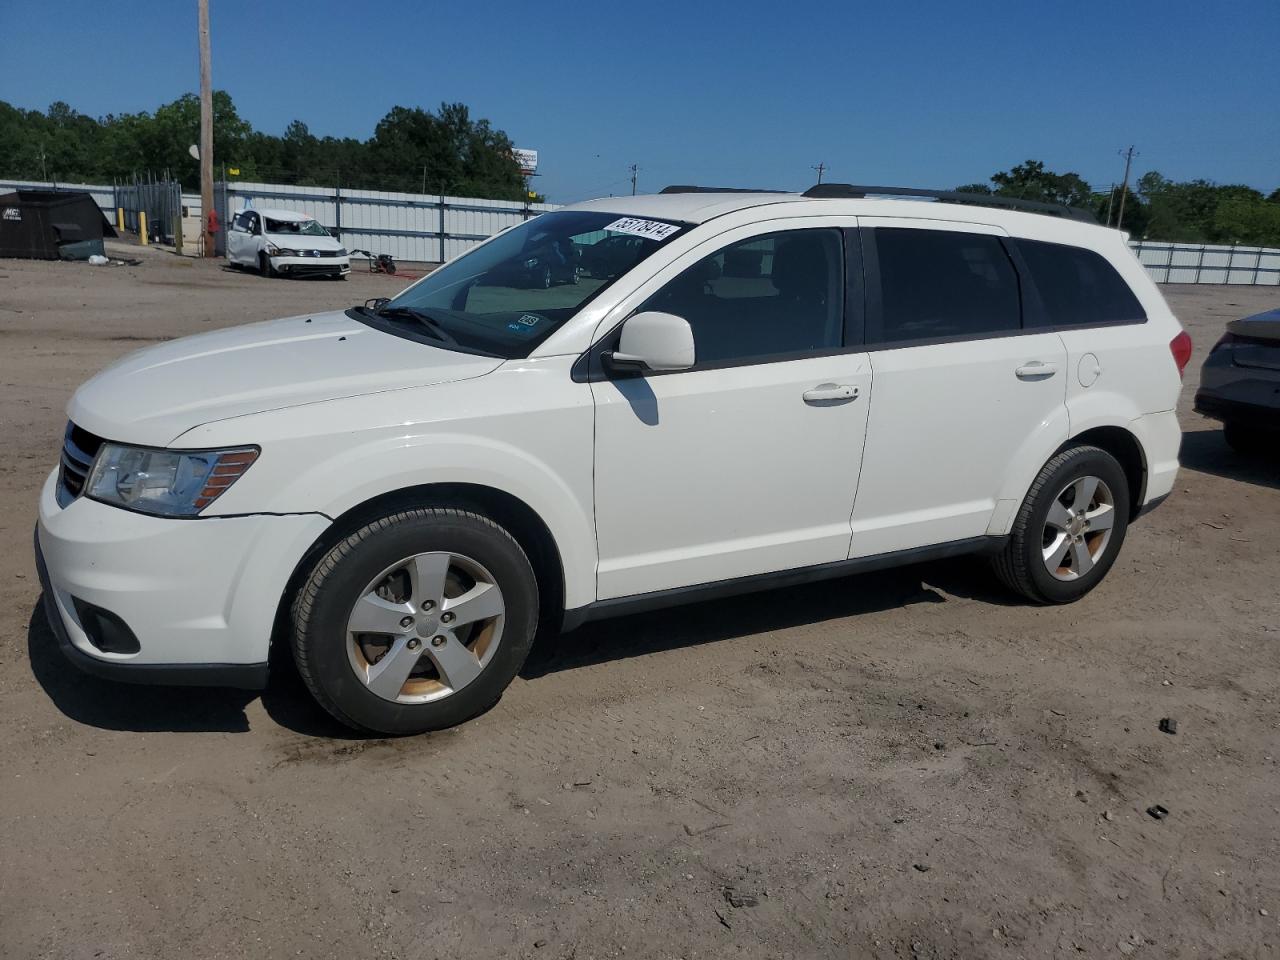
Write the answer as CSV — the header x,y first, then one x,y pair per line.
x,y
1180,347
1226,340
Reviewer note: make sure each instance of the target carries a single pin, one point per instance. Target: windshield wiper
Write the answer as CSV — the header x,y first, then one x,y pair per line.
x,y
413,313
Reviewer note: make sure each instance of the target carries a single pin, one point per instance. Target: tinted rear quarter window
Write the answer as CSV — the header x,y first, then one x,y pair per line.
x,y
943,284
1079,287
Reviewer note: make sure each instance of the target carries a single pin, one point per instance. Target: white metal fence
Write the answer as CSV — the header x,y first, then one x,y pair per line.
x,y
408,226
1208,263
430,228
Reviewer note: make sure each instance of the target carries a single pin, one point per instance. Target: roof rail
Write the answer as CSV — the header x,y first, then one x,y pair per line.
x,y
831,191
689,188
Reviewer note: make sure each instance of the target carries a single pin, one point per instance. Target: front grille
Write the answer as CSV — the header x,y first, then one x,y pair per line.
x,y
79,447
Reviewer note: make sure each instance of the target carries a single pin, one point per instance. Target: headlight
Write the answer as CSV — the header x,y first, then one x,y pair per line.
x,y
342,251
281,251
168,483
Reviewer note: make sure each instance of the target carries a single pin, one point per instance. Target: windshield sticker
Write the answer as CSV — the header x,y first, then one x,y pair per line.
x,y
525,324
652,229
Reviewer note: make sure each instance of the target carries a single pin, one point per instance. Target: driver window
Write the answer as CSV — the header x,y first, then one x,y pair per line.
x,y
771,296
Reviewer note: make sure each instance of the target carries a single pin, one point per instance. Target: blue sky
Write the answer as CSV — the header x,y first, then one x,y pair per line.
x,y
746,93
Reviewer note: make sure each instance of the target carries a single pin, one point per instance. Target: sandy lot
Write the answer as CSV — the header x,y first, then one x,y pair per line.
x,y
905,764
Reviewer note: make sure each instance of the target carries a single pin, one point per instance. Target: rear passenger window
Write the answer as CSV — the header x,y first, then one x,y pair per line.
x,y
941,284
770,296
1079,287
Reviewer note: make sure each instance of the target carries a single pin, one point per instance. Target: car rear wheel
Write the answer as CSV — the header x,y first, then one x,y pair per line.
x,y
1251,441
416,621
1069,529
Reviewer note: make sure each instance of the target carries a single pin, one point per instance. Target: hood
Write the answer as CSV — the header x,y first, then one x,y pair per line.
x,y
155,395
301,241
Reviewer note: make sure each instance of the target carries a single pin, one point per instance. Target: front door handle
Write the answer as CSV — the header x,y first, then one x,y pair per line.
x,y
825,394
1036,370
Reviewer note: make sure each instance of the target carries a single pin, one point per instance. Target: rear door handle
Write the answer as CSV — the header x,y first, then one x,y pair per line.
x,y
1036,370
831,393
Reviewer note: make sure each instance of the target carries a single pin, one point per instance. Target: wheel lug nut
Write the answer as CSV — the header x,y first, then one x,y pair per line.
x,y
413,644
406,622
446,618
428,605
437,641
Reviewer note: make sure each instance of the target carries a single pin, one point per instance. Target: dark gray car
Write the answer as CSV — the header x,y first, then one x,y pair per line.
x,y
1240,383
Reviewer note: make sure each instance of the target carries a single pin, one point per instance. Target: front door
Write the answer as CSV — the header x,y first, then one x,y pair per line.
x,y
238,238
748,462
962,390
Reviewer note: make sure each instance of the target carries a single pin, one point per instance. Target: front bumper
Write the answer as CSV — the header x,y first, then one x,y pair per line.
x,y
312,266
200,596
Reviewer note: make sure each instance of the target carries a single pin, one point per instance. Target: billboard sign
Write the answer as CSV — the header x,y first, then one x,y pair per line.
x,y
527,159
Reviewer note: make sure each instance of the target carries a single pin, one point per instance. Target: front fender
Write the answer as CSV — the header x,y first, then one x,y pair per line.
x,y
359,474
525,430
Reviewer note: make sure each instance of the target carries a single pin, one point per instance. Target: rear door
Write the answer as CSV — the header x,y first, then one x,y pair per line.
x,y
1116,361
962,390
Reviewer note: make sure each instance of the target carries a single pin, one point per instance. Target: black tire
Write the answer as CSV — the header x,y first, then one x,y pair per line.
x,y
1251,441
322,606
1021,564
264,266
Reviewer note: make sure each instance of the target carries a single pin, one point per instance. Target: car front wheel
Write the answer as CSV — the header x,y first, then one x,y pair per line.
x,y
264,265
416,621
1069,529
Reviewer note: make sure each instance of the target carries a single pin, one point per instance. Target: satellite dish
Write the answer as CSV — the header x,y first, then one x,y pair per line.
x,y
194,151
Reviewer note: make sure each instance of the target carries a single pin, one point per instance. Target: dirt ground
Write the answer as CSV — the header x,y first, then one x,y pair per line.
x,y
906,764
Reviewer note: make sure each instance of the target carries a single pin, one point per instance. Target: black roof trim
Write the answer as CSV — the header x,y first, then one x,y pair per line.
x,y
849,191
689,188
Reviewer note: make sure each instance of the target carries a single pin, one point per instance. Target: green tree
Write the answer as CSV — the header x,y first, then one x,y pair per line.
x,y
1032,181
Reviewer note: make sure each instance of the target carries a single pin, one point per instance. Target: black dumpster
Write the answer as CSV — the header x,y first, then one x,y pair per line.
x,y
51,225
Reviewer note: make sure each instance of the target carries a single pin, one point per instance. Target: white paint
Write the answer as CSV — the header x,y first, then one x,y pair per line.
x,y
646,483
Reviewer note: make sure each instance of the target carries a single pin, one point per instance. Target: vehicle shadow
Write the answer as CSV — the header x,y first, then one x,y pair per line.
x,y
141,708
657,631
1207,452
128,707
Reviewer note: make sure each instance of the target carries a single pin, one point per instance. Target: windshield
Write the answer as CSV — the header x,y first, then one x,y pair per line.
x,y
305,228
510,294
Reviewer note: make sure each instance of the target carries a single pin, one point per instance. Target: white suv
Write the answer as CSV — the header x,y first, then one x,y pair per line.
x,y
765,388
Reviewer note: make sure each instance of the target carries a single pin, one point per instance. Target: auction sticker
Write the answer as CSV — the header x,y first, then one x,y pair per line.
x,y
652,229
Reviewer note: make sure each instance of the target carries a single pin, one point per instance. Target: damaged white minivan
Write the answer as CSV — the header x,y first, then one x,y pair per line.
x,y
756,389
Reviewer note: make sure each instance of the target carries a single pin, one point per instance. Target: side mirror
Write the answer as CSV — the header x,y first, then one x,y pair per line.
x,y
654,341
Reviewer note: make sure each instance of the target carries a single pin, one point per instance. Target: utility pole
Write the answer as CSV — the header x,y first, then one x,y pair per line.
x,y
635,170
206,129
1124,187
821,168
1111,195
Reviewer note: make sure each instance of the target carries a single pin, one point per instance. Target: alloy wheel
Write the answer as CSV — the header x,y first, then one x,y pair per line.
x,y
1078,529
425,627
